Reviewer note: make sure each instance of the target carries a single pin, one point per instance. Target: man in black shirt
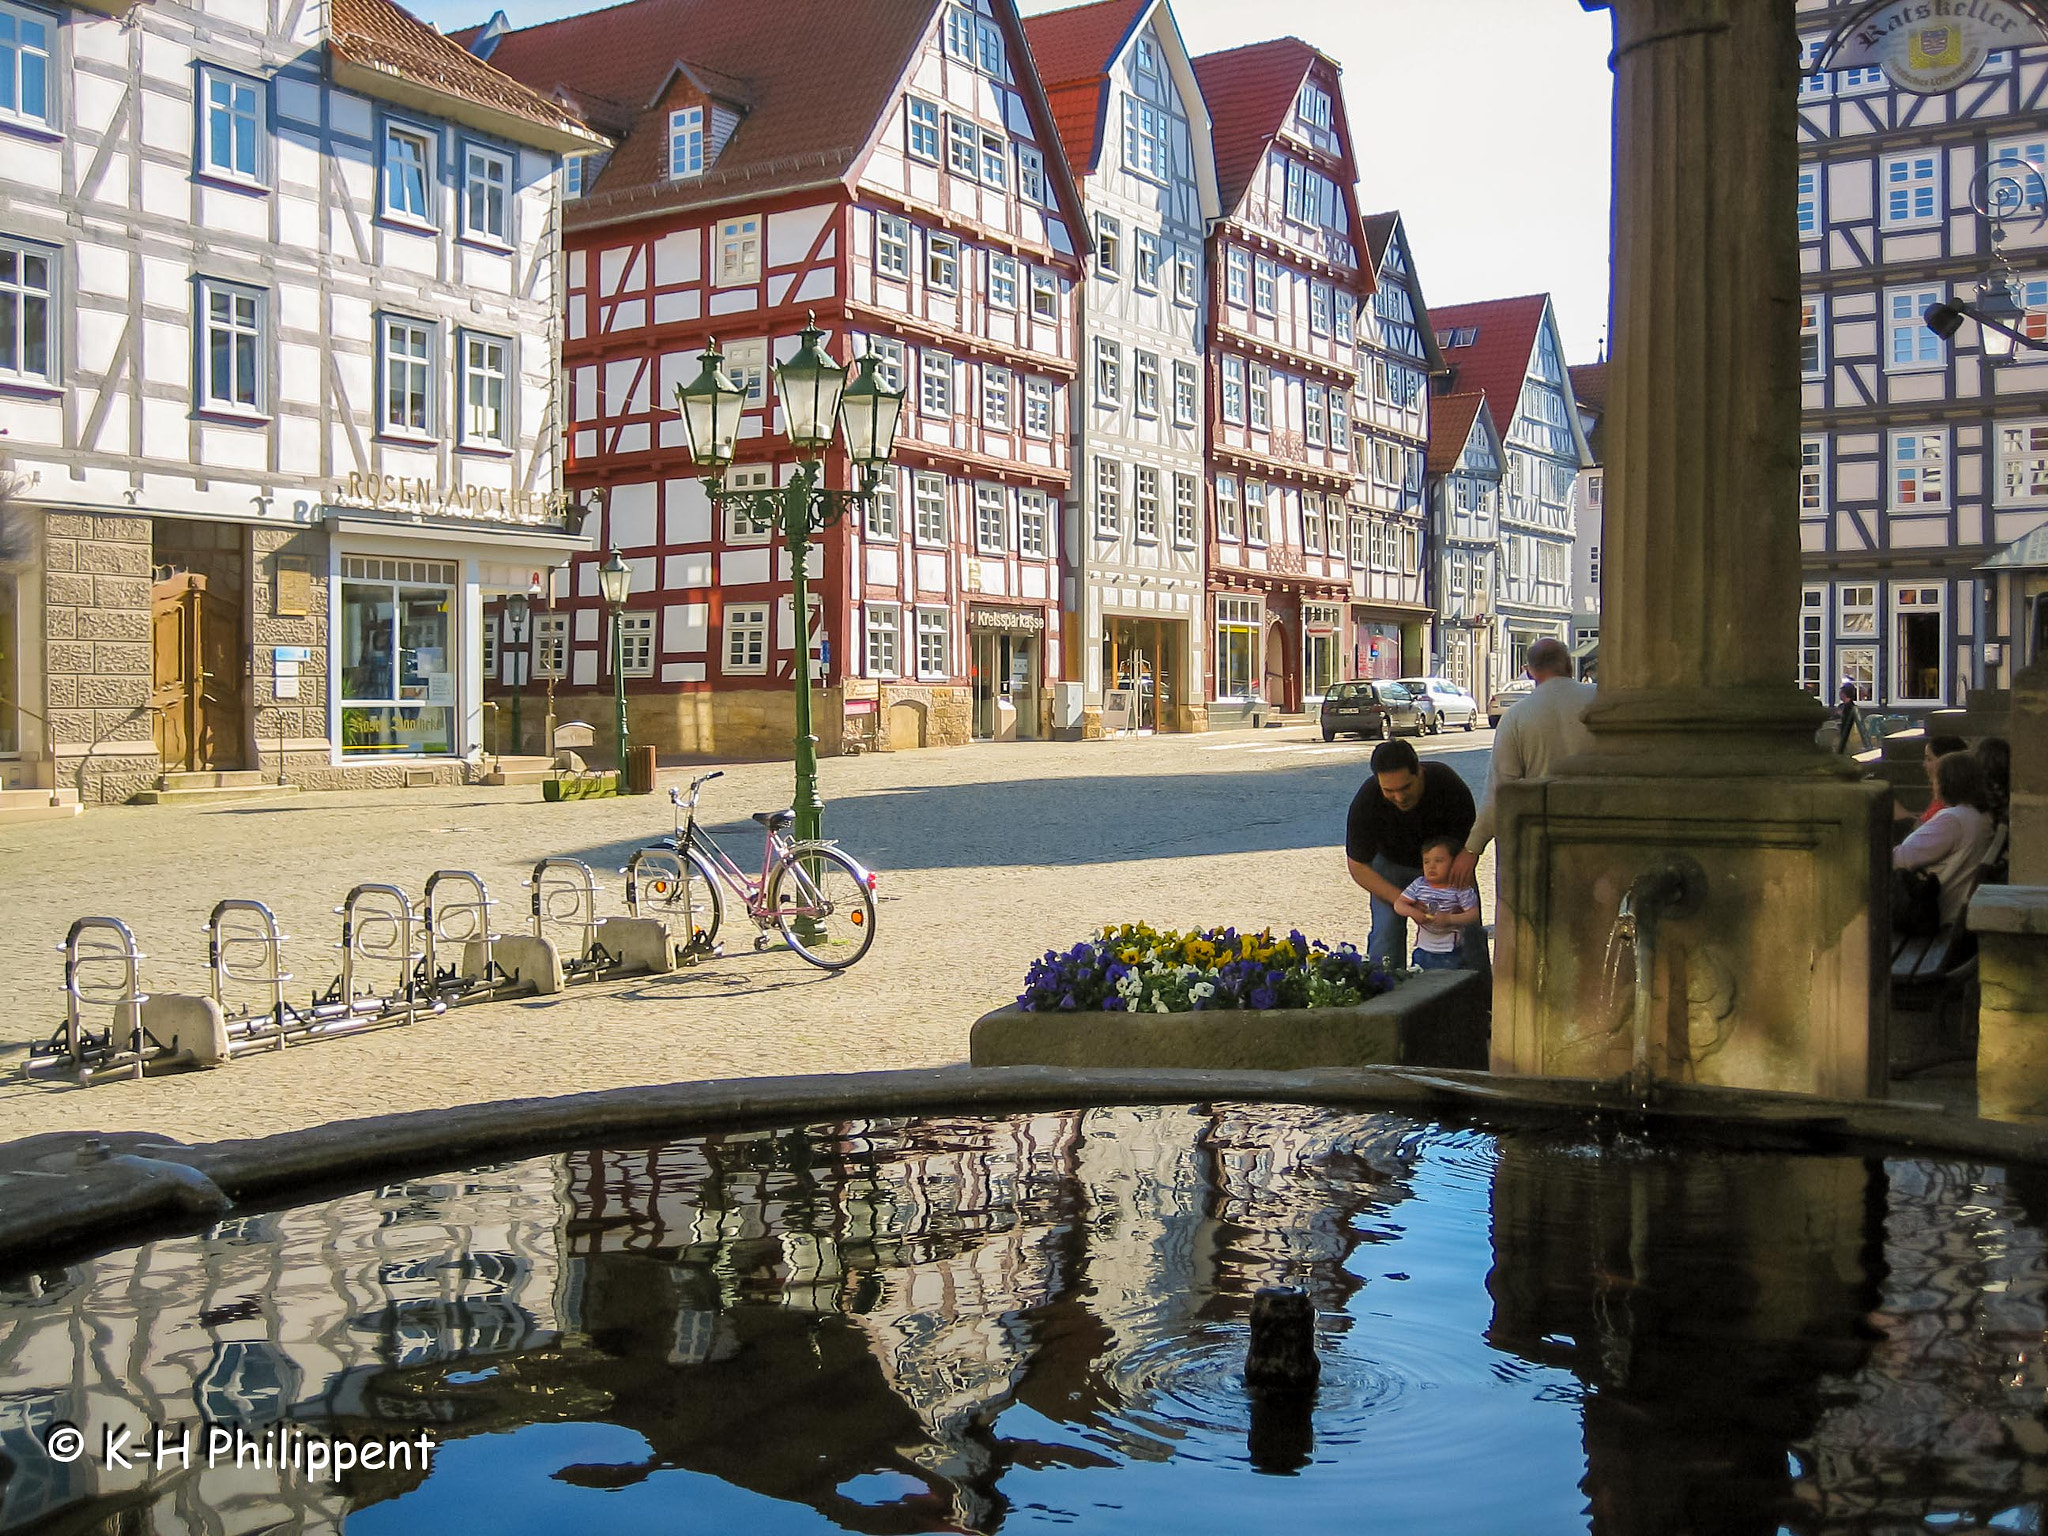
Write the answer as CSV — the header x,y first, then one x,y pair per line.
x,y
1405,803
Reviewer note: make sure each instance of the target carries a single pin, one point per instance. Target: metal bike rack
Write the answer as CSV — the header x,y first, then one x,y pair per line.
x,y
93,947
461,919
377,923
244,949
657,863
565,894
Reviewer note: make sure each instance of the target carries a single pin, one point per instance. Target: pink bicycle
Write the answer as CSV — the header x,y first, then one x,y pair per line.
x,y
816,894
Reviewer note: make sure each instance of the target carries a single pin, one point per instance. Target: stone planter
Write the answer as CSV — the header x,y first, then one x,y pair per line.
x,y
1434,1020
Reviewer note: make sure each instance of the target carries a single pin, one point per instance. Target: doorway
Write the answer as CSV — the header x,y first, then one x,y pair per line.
x,y
1005,678
1143,658
1276,691
196,671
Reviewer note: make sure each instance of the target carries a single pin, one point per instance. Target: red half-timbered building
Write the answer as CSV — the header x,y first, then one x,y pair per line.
x,y
1287,280
891,168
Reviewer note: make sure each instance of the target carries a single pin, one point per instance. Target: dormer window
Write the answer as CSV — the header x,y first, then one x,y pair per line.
x,y
1312,106
686,143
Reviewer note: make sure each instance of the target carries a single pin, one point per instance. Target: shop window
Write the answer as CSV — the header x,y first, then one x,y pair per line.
x,y
1237,647
397,663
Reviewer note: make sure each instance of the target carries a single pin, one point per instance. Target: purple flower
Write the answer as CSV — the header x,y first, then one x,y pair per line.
x,y
1261,997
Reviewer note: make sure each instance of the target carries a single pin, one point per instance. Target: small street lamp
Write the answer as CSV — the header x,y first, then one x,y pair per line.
x,y
615,581
815,396
2012,187
518,613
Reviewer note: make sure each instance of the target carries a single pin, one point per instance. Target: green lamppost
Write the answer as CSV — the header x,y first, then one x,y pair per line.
x,y
814,393
615,581
518,615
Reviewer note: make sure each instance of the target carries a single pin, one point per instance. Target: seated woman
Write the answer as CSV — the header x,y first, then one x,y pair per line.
x,y
1936,748
1953,841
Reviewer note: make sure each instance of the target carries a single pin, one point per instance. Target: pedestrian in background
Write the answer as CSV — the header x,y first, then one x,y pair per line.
x,y
1852,718
1535,737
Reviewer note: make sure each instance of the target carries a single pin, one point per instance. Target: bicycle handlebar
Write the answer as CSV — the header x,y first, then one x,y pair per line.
x,y
675,795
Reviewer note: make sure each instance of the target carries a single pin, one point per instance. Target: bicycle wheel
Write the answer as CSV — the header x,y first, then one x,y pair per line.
x,y
823,906
691,904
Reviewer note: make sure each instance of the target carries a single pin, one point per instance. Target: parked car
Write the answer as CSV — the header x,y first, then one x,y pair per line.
x,y
1374,709
1508,698
1451,704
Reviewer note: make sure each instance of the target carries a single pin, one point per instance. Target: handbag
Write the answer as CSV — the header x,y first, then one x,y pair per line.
x,y
1916,903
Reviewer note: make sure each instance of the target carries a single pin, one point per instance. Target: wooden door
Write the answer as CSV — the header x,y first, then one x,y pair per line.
x,y
196,661
1276,690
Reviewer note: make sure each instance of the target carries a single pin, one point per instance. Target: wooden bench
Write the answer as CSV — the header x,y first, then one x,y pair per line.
x,y
1935,975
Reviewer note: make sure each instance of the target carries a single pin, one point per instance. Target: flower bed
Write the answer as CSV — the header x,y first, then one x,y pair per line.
x,y
1137,969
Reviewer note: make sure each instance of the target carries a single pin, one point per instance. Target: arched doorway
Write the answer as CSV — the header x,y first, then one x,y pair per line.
x,y
1279,673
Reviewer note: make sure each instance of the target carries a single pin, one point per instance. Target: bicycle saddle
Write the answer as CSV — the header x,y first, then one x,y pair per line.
x,y
775,821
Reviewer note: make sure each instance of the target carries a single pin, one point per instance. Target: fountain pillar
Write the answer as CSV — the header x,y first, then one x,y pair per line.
x,y
1703,743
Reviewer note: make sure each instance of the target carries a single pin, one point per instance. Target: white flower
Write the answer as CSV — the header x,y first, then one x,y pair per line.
x,y
1159,1005
1202,989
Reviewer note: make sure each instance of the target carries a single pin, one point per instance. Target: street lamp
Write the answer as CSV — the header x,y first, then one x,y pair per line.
x,y
518,611
615,581
2012,187
815,395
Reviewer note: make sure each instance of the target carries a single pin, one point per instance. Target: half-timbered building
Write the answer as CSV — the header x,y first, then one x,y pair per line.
x,y
1589,395
892,169
1466,462
1510,350
1921,460
1136,134
1388,541
1288,273
277,373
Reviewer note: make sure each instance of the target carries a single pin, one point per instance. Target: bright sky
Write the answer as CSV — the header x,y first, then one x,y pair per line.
x,y
1485,122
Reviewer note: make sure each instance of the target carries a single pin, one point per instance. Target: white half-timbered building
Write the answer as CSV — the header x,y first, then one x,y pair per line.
x,y
278,297
1389,545
1466,462
1136,134
894,170
1921,460
1589,396
1288,273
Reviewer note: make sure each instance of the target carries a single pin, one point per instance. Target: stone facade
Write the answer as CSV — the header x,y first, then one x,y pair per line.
x,y
760,724
96,652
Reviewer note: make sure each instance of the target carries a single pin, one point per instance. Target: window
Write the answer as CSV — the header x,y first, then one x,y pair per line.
x,y
1809,202
1186,387
1109,245
232,137
1233,389
739,251
1812,356
1312,414
1912,190
1237,647
1183,511
1319,308
28,317
486,194
1145,501
486,420
408,161
408,347
1031,527
576,174
1145,261
1109,498
1261,397
1145,382
1858,611
963,145
1031,175
892,245
995,160
1146,63
1145,152
1254,512
1226,507
1237,275
1812,638
1108,372
935,383
1813,471
1340,421
1357,554
2020,185
888,361
995,398
882,520
686,143
1342,309
1816,82
551,636
1908,342
490,638
1918,479
1311,528
636,644
1183,277
960,32
932,627
1045,294
746,638
942,262
1038,408
399,674
741,526
1313,106
991,509
885,638
231,360
25,66
1002,281
928,504
2022,463
921,120
1265,286
746,364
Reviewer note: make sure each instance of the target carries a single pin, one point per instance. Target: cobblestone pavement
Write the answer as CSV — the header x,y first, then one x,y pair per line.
x,y
988,856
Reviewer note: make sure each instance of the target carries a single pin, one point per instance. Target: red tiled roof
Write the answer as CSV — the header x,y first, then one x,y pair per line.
x,y
1498,359
1250,91
386,39
1589,386
1072,49
821,74
1450,428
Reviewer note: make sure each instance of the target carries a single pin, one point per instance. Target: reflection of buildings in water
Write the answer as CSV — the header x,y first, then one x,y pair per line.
x,y
265,1318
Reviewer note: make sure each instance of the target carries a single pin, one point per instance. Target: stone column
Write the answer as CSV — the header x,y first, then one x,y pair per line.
x,y
1700,544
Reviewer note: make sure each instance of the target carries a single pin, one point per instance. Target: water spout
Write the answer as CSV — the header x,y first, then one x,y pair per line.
x,y
1280,1375
1675,888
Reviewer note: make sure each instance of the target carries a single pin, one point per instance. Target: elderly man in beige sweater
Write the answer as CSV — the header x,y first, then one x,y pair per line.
x,y
1534,738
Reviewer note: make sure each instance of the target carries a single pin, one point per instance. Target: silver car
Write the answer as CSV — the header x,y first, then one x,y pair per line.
x,y
1451,704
